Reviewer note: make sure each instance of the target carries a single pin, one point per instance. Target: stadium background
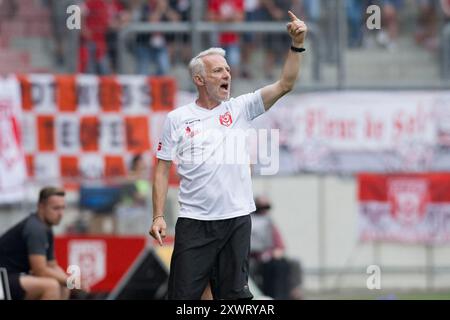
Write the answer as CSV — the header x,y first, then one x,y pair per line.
x,y
315,197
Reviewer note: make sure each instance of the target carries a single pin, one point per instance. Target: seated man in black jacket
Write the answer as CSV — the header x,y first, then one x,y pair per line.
x,y
27,252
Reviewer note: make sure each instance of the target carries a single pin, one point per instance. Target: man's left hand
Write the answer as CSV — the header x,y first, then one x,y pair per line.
x,y
297,30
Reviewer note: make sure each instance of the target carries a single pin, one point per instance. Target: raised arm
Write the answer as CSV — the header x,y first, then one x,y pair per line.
x,y
297,30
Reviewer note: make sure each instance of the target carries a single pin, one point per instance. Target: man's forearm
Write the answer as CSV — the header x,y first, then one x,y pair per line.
x,y
159,193
59,269
271,93
291,68
53,272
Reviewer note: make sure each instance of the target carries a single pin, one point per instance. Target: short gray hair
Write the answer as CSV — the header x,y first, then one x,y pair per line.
x,y
196,66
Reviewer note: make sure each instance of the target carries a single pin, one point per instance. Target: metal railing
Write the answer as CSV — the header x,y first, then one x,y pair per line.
x,y
195,29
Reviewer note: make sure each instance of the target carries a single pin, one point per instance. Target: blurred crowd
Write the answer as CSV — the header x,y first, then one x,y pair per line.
x,y
426,22
155,53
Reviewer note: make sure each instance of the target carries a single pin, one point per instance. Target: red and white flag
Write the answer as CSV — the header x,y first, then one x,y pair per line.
x,y
411,208
12,161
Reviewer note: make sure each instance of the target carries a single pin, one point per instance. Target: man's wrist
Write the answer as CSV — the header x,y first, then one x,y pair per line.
x,y
298,45
297,50
158,216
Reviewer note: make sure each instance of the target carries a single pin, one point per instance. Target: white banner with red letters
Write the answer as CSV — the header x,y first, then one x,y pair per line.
x,y
412,208
357,131
12,161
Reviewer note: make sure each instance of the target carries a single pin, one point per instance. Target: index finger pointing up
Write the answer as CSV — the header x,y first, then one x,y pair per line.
x,y
293,16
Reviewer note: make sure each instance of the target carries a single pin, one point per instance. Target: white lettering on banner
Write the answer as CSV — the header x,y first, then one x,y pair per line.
x,y
88,94
43,93
12,161
67,134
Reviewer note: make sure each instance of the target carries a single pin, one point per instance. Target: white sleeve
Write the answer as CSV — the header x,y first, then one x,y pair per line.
x,y
166,145
254,105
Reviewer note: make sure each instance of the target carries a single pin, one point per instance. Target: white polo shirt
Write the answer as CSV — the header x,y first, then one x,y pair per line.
x,y
210,150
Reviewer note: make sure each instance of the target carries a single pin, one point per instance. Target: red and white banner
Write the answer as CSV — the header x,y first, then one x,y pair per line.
x,y
411,208
12,161
89,127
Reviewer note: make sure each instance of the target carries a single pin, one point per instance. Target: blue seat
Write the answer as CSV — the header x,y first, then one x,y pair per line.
x,y
99,199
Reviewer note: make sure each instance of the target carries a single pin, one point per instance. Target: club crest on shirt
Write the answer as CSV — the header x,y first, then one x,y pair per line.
x,y
226,119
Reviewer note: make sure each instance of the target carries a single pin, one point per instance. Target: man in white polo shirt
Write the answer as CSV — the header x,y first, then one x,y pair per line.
x,y
212,233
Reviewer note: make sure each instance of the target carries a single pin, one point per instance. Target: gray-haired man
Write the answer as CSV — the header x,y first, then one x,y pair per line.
x,y
212,234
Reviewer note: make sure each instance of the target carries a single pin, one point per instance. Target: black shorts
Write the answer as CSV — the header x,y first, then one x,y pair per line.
x,y
17,292
211,251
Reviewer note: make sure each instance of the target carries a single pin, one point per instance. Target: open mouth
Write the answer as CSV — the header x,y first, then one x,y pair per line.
x,y
224,86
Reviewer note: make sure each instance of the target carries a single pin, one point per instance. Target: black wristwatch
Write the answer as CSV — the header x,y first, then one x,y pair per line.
x,y
295,49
